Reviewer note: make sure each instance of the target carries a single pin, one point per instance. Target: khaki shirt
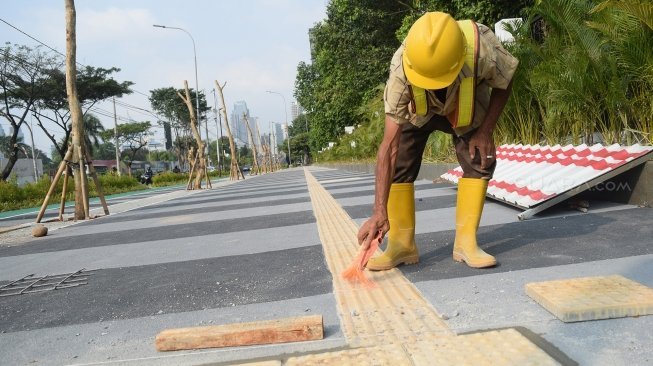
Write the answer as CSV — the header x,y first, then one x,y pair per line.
x,y
495,70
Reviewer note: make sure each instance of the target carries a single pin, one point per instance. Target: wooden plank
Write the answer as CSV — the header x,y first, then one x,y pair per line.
x,y
305,328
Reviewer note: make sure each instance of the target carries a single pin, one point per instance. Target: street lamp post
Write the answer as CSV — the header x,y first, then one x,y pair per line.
x,y
285,110
197,88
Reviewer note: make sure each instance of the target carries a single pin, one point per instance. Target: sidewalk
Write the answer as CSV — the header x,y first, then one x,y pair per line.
x,y
272,246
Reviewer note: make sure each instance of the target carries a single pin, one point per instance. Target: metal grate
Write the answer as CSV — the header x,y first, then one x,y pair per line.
x,y
30,284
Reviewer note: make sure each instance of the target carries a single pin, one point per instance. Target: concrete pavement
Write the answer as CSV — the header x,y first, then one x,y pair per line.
x,y
252,251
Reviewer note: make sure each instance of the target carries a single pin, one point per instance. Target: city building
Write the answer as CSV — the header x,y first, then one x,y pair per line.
x,y
236,121
295,111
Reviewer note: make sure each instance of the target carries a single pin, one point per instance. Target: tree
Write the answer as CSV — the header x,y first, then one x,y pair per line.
x,y
105,150
299,140
21,86
235,172
162,156
487,12
7,147
133,135
94,85
200,158
352,50
93,130
166,102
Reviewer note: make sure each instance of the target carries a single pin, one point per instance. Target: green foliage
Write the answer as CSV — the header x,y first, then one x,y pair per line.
x,y
13,197
21,85
105,151
92,132
113,184
93,86
487,12
168,179
590,75
167,103
133,135
351,51
162,156
585,75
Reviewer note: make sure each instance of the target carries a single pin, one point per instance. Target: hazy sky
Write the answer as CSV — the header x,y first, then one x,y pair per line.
x,y
253,45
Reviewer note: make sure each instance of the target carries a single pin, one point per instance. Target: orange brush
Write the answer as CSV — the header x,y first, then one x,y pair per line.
x,y
354,273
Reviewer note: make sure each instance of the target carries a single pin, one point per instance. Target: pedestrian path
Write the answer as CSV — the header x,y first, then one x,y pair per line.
x,y
259,249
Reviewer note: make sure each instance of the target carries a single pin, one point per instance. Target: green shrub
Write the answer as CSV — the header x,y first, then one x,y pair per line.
x,y
113,184
169,178
13,197
10,195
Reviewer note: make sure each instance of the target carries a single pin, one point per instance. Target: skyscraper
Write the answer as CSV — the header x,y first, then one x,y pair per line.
x,y
295,110
237,123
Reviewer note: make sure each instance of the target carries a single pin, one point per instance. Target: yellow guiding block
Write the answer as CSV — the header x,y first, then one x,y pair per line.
x,y
393,324
592,298
505,347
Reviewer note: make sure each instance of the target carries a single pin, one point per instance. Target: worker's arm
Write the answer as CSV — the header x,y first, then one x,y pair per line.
x,y
482,138
385,167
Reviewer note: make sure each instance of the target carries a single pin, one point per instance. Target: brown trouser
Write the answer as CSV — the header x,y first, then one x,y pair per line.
x,y
413,141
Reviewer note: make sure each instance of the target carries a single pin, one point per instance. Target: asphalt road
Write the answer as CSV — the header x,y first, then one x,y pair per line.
x,y
251,251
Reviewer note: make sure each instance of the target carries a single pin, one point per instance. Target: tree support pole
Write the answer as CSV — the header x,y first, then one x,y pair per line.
x,y
98,186
83,181
64,190
62,166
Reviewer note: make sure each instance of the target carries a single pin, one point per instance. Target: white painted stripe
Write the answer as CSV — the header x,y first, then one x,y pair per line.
x,y
99,227
160,251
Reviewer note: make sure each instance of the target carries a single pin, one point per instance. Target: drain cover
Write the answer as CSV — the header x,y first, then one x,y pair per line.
x,y
30,284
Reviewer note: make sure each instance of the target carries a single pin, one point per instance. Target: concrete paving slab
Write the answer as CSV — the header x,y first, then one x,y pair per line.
x,y
592,298
193,258
159,251
66,240
131,341
100,226
498,300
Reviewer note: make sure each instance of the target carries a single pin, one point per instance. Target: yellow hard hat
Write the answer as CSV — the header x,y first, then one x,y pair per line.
x,y
434,51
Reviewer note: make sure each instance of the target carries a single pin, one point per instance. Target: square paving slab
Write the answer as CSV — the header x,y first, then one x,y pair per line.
x,y
592,298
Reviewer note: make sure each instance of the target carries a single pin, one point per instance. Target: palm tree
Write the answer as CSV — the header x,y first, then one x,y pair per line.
x,y
93,129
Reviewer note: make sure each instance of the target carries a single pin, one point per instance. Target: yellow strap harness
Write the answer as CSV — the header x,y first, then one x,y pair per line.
x,y
464,114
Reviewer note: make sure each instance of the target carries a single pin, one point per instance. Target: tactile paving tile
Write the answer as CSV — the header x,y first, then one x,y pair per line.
x,y
592,298
392,323
388,354
261,363
505,347
501,347
392,312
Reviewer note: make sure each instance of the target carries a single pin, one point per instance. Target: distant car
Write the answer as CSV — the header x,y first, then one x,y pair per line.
x,y
211,169
246,168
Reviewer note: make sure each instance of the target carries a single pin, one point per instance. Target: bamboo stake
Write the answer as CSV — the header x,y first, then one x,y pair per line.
x,y
235,169
190,186
255,167
96,180
201,168
64,190
83,182
62,165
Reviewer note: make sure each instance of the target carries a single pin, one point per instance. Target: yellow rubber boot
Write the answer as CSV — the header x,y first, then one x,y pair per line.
x,y
469,207
401,237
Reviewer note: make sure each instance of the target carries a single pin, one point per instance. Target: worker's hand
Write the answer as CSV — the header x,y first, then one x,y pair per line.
x,y
370,228
483,141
